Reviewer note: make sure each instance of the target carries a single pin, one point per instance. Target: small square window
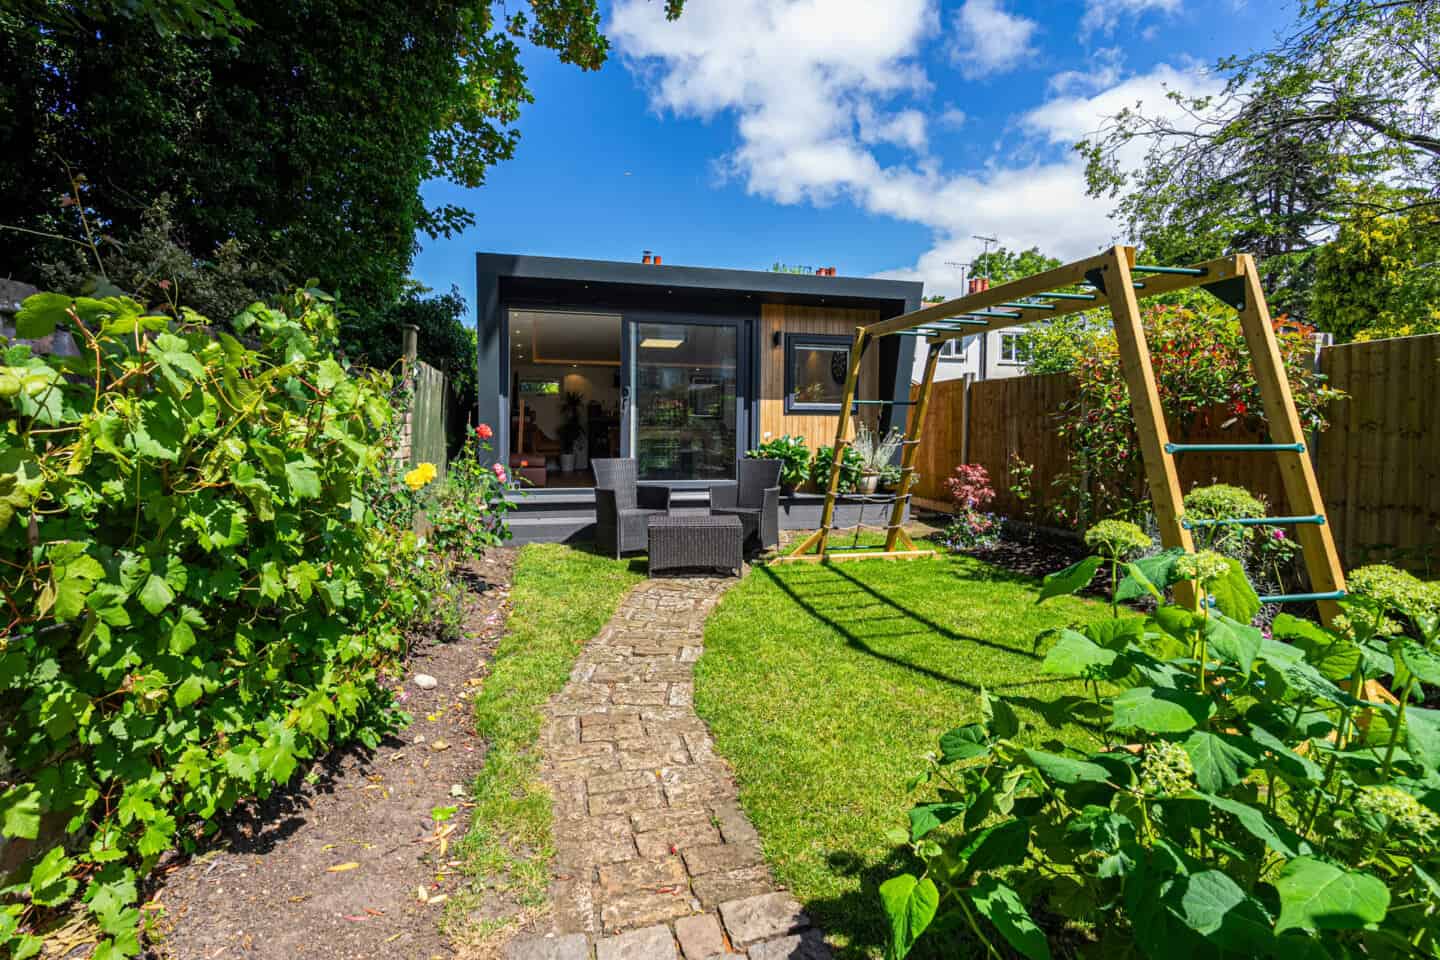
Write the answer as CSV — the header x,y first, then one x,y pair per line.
x,y
953,349
815,371
1013,349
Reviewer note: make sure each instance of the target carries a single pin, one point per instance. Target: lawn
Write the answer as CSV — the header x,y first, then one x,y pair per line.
x,y
560,598
824,685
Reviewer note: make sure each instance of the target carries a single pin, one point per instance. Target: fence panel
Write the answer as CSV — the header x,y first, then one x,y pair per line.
x,y
428,416
1378,464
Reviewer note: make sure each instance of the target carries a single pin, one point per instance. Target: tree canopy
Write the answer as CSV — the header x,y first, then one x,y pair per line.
x,y
301,132
1334,124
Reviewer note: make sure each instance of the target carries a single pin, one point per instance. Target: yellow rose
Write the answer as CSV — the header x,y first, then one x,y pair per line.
x,y
420,476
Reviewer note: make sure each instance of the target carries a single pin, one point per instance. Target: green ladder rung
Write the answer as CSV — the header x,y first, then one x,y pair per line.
x,y
879,403
1301,597
1188,524
1179,271
1055,295
1028,306
1233,447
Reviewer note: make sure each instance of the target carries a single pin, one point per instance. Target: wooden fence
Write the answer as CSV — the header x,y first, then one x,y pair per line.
x,y
1378,464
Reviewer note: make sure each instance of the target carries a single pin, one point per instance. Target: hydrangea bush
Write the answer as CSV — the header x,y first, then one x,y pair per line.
x,y
1247,795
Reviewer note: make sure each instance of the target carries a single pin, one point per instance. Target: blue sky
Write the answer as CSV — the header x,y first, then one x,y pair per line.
x,y
876,136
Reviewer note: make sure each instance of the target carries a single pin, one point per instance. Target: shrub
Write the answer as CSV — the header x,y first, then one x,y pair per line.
x,y
850,467
199,595
1222,501
969,486
1245,802
794,457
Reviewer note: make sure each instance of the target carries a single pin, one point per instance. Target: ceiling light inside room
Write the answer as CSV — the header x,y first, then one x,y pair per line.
x,y
660,343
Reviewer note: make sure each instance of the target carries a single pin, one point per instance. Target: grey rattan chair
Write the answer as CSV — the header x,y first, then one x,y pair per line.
x,y
623,506
754,498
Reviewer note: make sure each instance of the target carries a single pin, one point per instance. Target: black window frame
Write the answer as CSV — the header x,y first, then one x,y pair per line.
x,y
795,341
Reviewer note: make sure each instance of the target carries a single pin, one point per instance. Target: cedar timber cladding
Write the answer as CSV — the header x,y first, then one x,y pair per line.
x,y
817,429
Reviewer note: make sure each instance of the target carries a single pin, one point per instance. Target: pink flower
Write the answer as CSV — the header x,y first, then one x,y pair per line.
x,y
1279,534
484,432
500,473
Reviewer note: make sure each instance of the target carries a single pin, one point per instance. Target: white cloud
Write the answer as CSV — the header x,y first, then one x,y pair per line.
x,y
1105,71
816,86
1104,16
989,40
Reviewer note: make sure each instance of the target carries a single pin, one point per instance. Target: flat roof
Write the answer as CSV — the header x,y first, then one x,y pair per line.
x,y
697,278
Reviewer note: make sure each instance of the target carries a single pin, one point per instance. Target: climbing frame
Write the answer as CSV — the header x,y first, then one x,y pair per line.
x,y
1113,280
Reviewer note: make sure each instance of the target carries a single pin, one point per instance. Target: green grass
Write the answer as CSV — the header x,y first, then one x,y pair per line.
x,y
560,598
824,685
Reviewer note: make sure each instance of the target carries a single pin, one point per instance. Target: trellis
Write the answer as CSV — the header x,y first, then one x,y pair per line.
x,y
1110,280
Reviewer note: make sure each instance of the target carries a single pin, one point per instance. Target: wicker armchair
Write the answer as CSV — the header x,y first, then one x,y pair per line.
x,y
623,507
754,498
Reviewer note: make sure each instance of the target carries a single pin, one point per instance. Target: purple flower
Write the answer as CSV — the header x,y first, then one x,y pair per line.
x,y
1279,534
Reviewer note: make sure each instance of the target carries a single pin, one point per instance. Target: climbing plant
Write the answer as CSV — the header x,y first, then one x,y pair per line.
x,y
1202,371
197,595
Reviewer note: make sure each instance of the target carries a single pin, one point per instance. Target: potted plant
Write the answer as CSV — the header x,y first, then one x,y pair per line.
x,y
572,433
877,455
794,457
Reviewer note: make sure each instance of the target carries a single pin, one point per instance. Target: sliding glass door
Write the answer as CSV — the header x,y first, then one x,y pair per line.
x,y
685,410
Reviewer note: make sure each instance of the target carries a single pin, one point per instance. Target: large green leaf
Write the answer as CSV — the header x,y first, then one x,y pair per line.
x,y
1072,579
40,314
1423,663
1315,895
1233,594
1076,655
925,817
1001,845
20,812
1221,760
964,743
910,904
1159,711
1157,570
1115,633
1214,906
1422,735
1274,834
1001,906
1065,770
1231,641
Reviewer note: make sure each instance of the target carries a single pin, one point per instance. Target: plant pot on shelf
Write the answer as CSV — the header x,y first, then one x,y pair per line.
x,y
869,482
567,462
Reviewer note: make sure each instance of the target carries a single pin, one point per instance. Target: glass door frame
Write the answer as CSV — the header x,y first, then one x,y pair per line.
x,y
744,382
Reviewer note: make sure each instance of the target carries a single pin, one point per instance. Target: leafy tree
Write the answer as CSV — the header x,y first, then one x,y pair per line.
x,y
1380,277
445,341
1275,162
306,137
1003,265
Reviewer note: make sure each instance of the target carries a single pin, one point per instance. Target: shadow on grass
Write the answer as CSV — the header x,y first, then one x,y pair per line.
x,y
811,604
857,917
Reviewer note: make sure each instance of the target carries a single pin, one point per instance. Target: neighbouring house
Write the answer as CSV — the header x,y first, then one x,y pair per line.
x,y
992,355
681,368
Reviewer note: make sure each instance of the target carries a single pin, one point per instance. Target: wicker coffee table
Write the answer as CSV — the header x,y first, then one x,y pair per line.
x,y
684,541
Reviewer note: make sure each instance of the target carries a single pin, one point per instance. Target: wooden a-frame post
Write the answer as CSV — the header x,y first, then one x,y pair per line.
x,y
1322,562
1160,474
893,530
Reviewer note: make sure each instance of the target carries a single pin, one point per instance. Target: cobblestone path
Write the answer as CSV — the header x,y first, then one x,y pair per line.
x,y
655,859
